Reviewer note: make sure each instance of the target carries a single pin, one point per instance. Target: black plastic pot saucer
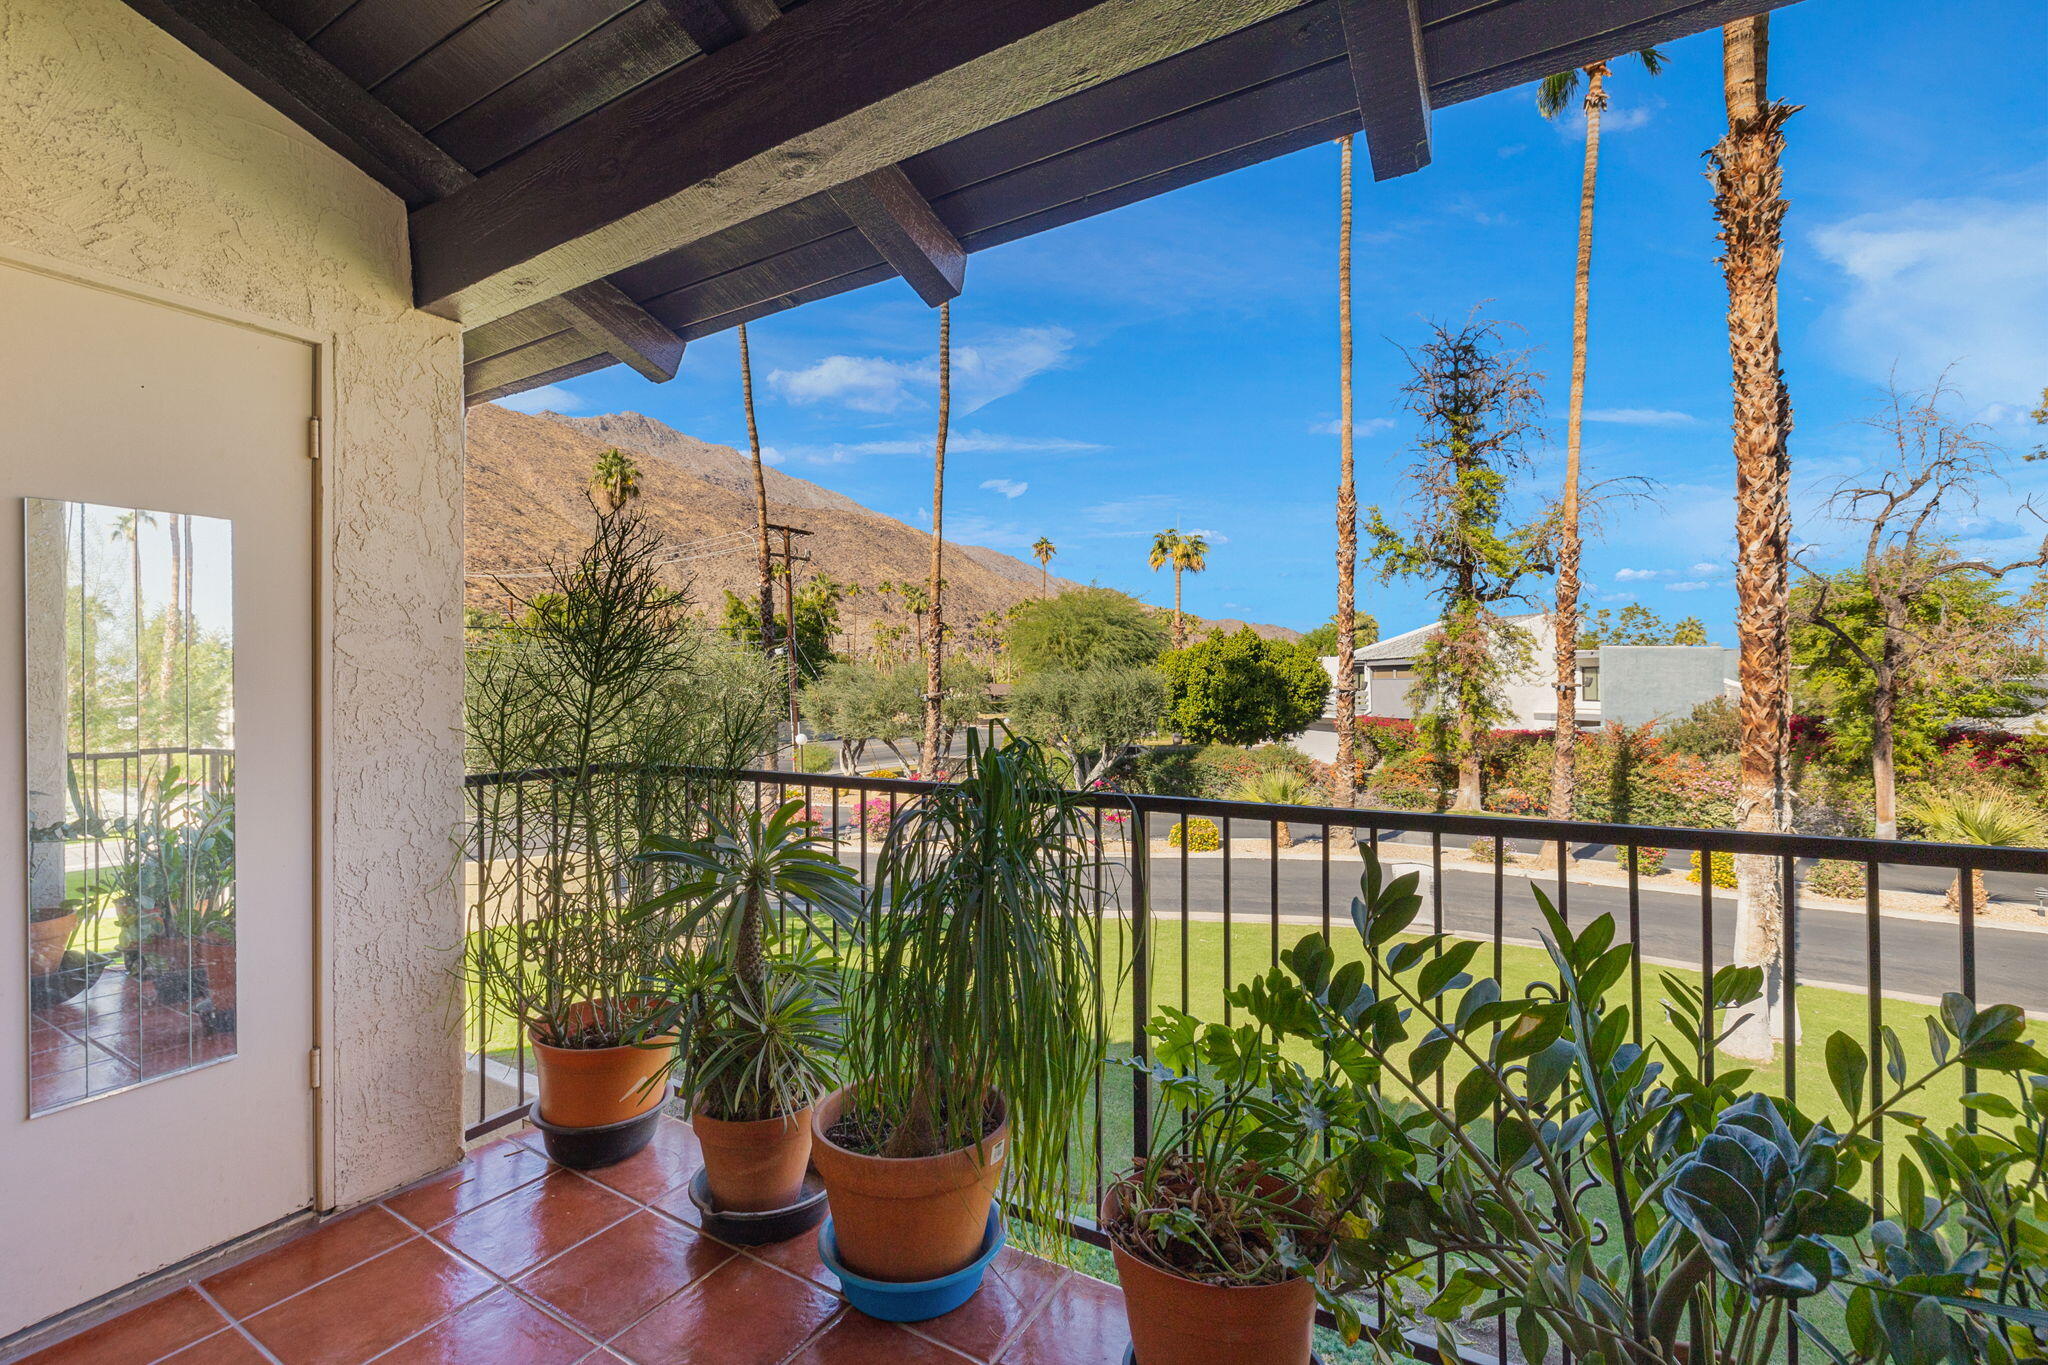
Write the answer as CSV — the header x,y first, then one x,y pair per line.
x,y
769,1225
586,1149
1131,1356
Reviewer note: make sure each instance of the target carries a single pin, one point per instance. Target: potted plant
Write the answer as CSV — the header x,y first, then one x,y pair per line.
x,y
753,996
605,695
49,933
974,1032
1219,1235
1525,1162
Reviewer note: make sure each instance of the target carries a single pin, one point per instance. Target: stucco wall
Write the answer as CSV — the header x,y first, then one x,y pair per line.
x,y
122,152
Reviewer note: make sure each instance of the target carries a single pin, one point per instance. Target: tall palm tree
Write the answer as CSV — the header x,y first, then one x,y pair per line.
x,y
1553,97
1347,508
615,479
1749,206
1190,555
934,689
128,526
1043,550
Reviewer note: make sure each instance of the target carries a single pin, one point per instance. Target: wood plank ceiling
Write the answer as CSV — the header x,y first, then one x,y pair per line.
x,y
576,143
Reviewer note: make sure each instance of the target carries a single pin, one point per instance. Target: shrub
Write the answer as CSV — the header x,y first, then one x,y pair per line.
x,y
1712,729
1220,771
1199,835
1484,847
1837,877
1649,861
884,772
1241,689
1724,870
1162,770
815,758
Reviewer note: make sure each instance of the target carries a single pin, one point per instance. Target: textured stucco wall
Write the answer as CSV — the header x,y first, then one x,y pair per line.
x,y
122,152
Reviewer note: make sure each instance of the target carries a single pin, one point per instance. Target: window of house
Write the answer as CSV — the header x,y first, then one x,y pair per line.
x,y
1589,683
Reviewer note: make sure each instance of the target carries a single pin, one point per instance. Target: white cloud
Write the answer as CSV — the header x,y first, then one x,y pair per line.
x,y
1213,537
1364,427
1130,511
982,373
1940,282
968,442
1009,488
1701,570
1641,417
1513,149
546,398
1693,585
773,455
1618,118
1637,575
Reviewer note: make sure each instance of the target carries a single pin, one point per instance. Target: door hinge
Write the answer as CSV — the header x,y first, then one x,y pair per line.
x,y
312,438
313,1069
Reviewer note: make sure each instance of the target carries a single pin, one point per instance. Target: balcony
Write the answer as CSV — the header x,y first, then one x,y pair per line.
x,y
509,1259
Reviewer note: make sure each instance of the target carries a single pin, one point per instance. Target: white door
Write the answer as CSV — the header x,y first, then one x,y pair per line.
x,y
157,742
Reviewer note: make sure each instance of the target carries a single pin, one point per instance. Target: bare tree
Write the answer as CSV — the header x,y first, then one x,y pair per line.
x,y
1909,569
932,758
1749,206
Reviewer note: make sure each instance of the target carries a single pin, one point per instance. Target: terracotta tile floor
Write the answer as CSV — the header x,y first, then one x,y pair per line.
x,y
508,1260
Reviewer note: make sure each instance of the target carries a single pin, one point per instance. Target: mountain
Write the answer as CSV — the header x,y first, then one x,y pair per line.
x,y
526,481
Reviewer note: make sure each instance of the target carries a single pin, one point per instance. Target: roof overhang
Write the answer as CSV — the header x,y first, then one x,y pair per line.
x,y
602,181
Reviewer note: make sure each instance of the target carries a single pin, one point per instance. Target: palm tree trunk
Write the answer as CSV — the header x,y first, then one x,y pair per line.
x,y
765,604
1883,756
1344,780
1565,621
1178,641
1750,208
934,688
174,616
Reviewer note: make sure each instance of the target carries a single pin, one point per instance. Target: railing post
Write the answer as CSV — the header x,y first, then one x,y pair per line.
x,y
1141,984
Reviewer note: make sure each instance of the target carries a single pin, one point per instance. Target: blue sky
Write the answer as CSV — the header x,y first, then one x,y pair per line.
x,y
1174,363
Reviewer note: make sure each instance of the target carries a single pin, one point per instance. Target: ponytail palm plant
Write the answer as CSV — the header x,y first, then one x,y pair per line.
x,y
979,975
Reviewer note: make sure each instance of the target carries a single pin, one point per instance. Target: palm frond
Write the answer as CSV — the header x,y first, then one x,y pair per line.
x,y
1554,93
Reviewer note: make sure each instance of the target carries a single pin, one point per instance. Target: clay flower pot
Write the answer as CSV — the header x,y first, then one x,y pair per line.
x,y
755,1166
907,1220
590,1087
1186,1322
47,939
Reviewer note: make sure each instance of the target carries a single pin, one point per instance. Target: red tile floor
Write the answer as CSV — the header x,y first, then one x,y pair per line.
x,y
510,1260
114,1034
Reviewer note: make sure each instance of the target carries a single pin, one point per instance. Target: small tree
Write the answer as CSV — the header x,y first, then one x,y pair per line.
x,y
1891,619
1479,405
1088,716
817,622
1322,641
1085,628
1636,624
1241,689
864,703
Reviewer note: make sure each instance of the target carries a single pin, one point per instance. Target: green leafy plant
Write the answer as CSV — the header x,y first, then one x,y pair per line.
x,y
1237,1190
1242,689
1649,861
599,696
751,989
1630,1204
1994,821
1199,836
979,975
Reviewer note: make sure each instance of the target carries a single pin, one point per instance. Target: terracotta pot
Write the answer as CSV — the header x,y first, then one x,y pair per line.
x,y
1178,1321
46,942
758,1166
217,958
907,1220
588,1087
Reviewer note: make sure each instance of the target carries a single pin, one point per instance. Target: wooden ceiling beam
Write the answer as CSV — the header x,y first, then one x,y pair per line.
x,y
896,219
832,91
248,44
1383,40
898,222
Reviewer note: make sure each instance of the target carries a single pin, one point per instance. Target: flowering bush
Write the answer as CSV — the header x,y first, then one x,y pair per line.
x,y
1724,870
1199,835
1649,861
874,816
1837,877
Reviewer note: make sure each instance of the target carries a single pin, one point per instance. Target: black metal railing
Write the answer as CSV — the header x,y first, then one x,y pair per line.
x,y
1185,925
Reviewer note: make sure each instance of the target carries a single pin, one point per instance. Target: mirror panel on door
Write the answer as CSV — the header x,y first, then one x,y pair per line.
x,y
131,798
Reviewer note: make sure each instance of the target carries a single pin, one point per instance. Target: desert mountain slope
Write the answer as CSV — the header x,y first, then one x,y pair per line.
x,y
526,488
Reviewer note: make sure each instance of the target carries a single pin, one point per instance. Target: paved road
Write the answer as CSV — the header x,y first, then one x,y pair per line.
x,y
1915,957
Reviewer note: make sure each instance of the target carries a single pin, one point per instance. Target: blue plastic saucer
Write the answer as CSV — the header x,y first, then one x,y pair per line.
x,y
895,1302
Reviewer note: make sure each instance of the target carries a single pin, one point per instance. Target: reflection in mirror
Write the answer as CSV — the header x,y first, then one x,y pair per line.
x,y
131,797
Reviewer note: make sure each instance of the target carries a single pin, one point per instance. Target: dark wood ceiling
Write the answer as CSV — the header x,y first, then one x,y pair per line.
x,y
484,116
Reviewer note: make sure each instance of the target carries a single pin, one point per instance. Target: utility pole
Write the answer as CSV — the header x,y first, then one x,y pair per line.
x,y
789,560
